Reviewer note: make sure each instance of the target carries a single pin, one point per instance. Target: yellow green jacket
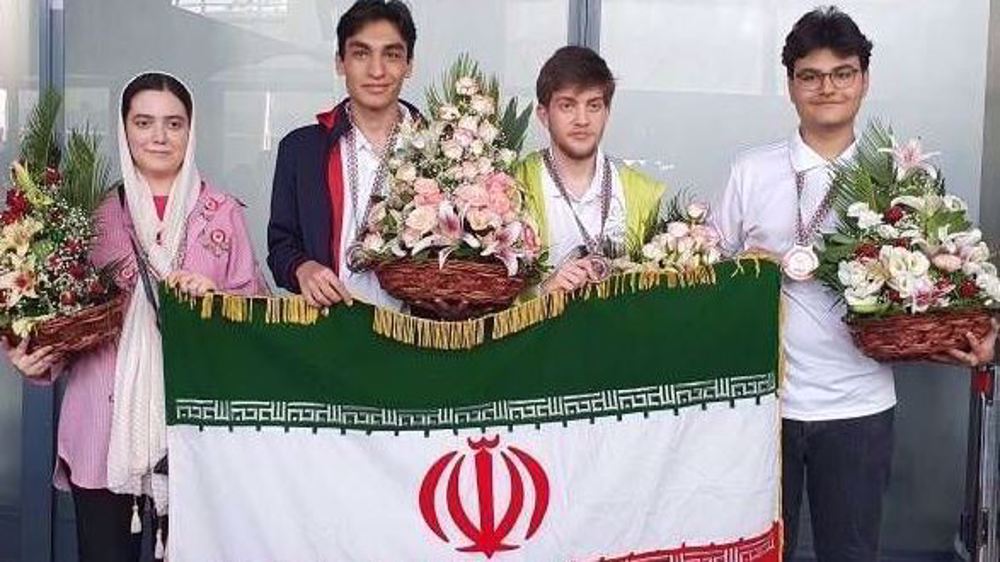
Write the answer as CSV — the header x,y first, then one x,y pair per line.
x,y
642,196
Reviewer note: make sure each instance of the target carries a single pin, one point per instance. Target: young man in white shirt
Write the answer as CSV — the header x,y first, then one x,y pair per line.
x,y
326,172
584,203
837,404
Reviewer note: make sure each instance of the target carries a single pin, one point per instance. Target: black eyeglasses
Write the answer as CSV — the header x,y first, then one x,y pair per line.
x,y
841,78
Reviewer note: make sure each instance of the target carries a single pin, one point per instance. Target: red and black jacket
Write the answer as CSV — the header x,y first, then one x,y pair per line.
x,y
307,197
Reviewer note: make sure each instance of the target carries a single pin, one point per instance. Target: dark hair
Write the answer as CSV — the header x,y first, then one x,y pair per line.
x,y
574,66
364,12
825,28
159,82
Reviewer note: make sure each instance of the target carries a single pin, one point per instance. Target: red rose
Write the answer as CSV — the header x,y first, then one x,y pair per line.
x,y
894,214
67,298
77,271
17,203
52,176
97,288
866,250
968,289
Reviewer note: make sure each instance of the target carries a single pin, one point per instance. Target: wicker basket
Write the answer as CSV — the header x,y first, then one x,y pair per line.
x,y
914,337
86,329
462,289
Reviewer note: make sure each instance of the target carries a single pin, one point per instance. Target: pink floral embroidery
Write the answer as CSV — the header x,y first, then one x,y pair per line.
x,y
216,240
210,207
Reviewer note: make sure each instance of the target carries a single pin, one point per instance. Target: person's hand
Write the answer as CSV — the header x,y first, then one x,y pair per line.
x,y
320,286
570,276
191,283
981,351
32,365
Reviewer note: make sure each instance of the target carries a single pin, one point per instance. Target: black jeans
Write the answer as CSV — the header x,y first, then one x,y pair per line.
x,y
844,465
103,527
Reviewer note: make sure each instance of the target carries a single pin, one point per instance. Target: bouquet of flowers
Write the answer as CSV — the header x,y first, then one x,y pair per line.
x,y
914,272
48,288
452,237
680,241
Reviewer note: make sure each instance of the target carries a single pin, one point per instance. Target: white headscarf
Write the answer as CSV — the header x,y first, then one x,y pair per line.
x,y
138,426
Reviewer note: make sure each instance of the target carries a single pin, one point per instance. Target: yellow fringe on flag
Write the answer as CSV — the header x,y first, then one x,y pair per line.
x,y
527,314
431,334
466,334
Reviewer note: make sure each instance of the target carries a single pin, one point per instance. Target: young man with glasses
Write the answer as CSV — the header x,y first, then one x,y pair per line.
x,y
837,404
584,204
326,172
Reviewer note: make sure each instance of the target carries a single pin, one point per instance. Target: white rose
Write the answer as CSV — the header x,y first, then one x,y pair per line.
x,y
488,132
867,218
373,242
990,285
507,156
449,112
903,284
978,253
451,149
466,86
917,263
678,229
482,105
477,147
469,123
407,173
697,211
485,167
851,273
422,219
653,252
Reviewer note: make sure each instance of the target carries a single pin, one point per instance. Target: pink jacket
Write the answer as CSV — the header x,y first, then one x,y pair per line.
x,y
217,246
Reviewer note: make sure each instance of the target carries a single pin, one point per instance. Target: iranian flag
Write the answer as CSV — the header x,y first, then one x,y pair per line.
x,y
636,422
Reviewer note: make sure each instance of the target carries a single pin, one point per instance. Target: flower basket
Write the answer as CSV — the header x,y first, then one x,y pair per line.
x,y
452,237
50,291
912,269
459,290
917,337
83,330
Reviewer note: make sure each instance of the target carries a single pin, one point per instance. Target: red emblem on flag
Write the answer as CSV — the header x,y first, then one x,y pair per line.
x,y
491,535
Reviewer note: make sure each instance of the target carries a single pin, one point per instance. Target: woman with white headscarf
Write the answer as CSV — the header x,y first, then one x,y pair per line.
x,y
164,223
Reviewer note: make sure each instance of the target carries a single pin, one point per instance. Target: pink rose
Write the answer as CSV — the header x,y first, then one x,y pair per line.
x,y
473,195
947,262
499,183
470,170
499,203
428,192
463,137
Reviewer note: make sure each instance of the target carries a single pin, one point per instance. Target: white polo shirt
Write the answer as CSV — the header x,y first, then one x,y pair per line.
x,y
827,377
564,234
